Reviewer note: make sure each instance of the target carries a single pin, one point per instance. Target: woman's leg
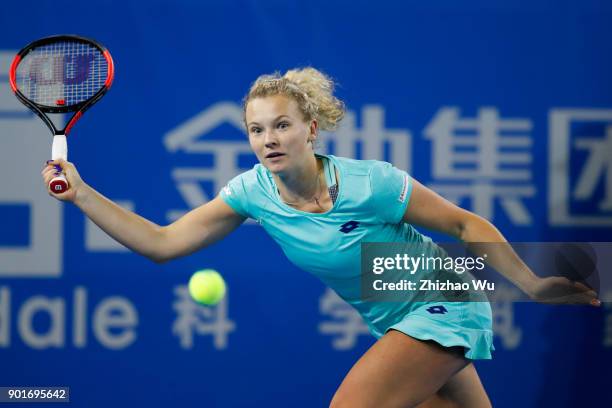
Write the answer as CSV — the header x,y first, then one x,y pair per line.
x,y
398,371
464,389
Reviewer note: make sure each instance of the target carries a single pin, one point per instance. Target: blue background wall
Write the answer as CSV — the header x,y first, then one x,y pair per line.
x,y
121,334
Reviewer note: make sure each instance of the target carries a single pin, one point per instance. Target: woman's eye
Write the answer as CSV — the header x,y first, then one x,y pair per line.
x,y
283,125
255,130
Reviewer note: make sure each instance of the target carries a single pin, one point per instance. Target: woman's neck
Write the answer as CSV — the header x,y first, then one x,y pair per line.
x,y
302,185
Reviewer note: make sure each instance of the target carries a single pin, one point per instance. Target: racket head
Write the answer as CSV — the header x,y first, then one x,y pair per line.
x,y
60,74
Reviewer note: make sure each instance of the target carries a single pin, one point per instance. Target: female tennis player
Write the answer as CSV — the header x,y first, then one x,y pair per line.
x,y
319,208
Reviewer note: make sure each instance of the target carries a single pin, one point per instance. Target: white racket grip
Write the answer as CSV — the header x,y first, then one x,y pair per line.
x,y
59,150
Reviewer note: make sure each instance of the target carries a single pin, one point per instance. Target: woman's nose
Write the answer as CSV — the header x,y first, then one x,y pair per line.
x,y
270,139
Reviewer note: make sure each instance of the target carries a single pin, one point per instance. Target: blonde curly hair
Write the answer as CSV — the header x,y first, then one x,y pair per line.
x,y
310,88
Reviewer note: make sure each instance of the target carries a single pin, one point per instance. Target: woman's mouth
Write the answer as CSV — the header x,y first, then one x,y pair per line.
x,y
274,155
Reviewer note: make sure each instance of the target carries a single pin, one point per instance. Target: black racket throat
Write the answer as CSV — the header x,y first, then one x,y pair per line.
x,y
77,110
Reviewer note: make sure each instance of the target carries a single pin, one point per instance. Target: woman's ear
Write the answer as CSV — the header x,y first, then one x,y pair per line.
x,y
314,130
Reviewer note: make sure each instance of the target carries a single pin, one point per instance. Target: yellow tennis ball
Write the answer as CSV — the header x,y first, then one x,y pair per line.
x,y
207,287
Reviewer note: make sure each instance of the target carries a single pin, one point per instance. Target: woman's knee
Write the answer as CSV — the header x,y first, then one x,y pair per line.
x,y
464,389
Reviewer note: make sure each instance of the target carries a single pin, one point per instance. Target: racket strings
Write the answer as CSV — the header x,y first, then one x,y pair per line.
x,y
62,73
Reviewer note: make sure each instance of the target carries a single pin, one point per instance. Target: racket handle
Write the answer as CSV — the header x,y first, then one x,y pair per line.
x,y
59,150
59,184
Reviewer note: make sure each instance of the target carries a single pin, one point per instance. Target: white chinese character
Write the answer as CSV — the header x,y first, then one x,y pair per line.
x,y
502,305
483,158
195,319
564,147
372,137
347,324
225,153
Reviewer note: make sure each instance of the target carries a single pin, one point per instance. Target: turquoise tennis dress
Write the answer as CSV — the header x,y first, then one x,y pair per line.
x,y
368,205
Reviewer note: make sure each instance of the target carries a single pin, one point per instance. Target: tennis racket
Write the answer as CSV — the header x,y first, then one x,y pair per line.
x,y
61,74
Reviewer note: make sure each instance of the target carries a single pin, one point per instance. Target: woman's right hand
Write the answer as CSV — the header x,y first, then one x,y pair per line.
x,y
75,183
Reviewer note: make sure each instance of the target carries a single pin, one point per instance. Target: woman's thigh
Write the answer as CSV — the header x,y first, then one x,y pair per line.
x,y
398,371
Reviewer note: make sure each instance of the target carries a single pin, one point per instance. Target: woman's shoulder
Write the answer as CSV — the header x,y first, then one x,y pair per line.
x,y
253,179
359,167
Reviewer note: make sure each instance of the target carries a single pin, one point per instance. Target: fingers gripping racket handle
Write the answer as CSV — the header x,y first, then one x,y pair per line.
x,y
59,150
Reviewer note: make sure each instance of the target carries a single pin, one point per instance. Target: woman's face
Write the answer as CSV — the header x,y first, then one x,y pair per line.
x,y
278,134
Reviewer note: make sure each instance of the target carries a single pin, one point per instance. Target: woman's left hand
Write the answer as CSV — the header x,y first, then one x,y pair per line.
x,y
556,289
